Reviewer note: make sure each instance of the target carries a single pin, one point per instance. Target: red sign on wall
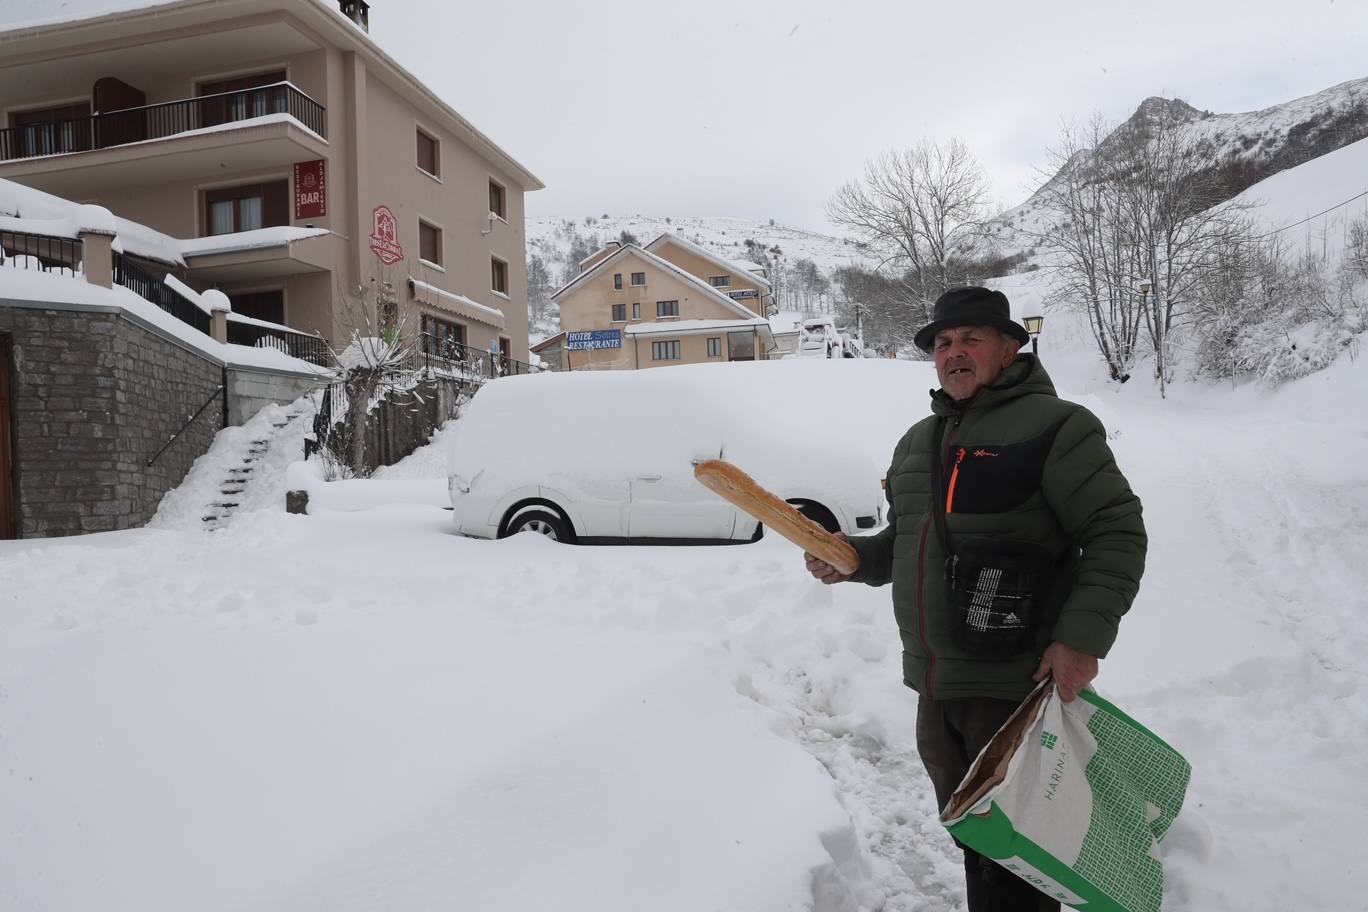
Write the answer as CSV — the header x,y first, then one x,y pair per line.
x,y
311,190
384,239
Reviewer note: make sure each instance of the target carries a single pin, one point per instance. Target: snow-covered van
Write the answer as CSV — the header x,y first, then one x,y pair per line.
x,y
609,457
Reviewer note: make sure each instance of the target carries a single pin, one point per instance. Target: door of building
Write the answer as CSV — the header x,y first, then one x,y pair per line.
x,y
6,472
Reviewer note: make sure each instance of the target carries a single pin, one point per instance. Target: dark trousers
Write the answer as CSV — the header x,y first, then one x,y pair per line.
x,y
950,734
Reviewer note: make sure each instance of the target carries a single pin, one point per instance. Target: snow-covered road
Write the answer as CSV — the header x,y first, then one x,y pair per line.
x,y
361,710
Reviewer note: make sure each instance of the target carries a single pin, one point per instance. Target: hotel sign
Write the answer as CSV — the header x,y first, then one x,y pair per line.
x,y
384,239
593,340
311,190
743,293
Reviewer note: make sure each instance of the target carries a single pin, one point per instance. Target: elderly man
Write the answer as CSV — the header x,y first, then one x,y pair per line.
x,y
1014,545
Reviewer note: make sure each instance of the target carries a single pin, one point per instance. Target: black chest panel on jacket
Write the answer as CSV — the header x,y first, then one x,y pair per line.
x,y
995,478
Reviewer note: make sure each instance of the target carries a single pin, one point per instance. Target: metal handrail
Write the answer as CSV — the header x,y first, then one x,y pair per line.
x,y
150,288
159,121
188,422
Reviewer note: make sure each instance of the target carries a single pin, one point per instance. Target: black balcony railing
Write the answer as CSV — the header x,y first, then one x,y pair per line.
x,y
158,121
145,284
40,252
313,349
446,355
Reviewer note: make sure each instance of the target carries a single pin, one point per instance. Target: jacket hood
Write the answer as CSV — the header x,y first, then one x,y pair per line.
x,y
1025,376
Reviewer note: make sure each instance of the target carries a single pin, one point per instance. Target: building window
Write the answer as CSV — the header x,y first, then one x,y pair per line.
x,y
52,130
617,281
260,305
619,313
715,347
636,311
429,154
667,308
498,275
442,339
231,100
720,281
247,207
429,243
496,200
665,351
638,278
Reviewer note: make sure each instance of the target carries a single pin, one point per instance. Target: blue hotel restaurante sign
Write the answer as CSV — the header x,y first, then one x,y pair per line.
x,y
593,339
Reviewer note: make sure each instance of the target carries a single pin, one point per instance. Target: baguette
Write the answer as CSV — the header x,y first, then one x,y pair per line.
x,y
736,486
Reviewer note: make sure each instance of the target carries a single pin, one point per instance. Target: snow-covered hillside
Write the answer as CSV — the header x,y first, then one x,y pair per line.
x,y
1252,143
549,238
1312,206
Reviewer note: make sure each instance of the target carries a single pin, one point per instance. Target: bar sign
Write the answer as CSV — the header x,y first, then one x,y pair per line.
x,y
311,191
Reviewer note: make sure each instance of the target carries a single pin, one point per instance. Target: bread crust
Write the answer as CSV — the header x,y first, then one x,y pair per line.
x,y
736,486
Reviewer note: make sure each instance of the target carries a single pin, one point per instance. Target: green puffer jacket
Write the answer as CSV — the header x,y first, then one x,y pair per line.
x,y
1028,483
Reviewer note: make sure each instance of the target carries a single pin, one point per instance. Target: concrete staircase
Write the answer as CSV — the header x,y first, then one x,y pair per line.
x,y
239,471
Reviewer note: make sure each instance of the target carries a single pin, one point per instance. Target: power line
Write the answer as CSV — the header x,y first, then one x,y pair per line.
x,y
1310,217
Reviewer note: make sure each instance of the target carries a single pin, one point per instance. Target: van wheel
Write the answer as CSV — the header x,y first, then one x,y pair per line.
x,y
819,514
541,522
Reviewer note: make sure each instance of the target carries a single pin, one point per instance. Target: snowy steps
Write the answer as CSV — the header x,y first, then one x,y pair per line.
x,y
220,510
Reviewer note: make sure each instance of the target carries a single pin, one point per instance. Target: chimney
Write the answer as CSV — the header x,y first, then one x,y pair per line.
x,y
357,11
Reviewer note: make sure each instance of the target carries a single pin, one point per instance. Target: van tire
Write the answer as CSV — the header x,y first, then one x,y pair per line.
x,y
543,522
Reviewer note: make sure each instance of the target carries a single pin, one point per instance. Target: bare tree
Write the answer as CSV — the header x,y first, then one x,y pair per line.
x,y
1139,222
380,337
921,206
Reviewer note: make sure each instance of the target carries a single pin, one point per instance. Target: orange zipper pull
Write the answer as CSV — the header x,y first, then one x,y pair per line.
x,y
954,478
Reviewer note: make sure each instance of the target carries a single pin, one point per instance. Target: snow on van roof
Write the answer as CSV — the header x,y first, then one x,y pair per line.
x,y
588,433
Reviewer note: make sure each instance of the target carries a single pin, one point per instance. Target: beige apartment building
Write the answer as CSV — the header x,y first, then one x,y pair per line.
x,y
300,160
669,302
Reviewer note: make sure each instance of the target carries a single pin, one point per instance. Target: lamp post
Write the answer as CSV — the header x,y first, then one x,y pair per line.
x,y
1033,326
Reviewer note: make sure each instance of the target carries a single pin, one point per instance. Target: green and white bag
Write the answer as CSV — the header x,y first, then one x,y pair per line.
x,y
1074,799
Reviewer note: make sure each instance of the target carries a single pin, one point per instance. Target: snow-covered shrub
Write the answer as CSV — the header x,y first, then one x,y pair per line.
x,y
1276,319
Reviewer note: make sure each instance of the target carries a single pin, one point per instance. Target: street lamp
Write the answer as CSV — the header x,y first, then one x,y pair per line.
x,y
1033,326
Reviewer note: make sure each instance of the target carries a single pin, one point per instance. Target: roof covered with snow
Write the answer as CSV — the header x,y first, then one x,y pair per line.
x,y
744,269
658,261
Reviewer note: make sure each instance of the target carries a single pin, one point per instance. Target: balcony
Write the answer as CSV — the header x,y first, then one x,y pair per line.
x,y
175,140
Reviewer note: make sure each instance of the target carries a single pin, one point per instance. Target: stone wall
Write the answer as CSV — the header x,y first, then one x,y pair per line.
x,y
96,395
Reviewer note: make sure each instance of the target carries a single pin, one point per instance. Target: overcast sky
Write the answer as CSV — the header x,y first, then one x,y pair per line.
x,y
762,109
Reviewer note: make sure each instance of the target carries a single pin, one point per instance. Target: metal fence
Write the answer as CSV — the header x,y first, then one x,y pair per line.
x,y
313,349
448,356
146,285
118,128
41,253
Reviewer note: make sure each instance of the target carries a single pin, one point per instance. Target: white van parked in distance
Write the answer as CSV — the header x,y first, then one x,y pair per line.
x,y
608,457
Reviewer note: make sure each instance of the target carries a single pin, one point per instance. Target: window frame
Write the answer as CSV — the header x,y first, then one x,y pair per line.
x,y
635,283
617,281
714,346
494,274
619,309
440,262
436,154
636,310
670,348
502,212
275,211
725,283
660,310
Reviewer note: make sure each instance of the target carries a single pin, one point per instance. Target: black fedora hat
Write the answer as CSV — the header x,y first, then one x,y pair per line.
x,y
970,306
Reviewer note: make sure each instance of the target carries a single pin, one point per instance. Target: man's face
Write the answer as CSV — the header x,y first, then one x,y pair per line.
x,y
969,358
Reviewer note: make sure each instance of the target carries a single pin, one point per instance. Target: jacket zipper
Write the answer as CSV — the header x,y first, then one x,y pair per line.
x,y
954,479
